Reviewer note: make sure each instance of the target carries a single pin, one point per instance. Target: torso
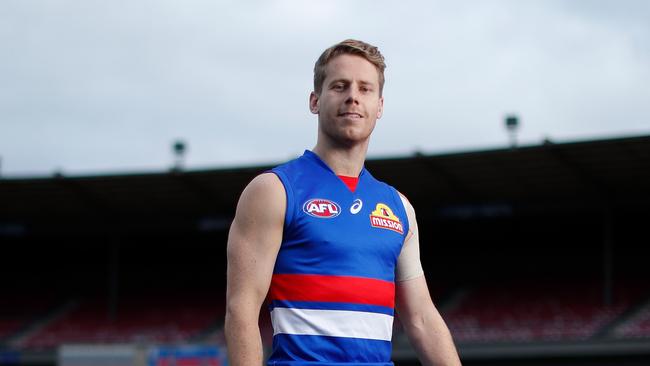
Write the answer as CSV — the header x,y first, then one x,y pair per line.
x,y
332,292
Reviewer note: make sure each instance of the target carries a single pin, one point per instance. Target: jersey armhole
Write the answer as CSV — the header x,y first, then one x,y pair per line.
x,y
289,211
403,213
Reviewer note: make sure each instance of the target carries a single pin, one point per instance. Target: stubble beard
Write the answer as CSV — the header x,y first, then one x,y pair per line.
x,y
340,138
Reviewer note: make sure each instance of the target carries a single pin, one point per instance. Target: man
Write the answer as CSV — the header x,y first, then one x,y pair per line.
x,y
335,250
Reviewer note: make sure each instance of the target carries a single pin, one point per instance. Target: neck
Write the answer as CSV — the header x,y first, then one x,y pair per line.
x,y
343,160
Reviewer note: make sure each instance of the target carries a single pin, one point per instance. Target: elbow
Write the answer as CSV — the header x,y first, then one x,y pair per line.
x,y
234,322
229,321
234,316
240,314
416,324
425,324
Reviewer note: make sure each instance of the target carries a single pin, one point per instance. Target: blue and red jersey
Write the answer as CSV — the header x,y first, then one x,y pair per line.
x,y
332,294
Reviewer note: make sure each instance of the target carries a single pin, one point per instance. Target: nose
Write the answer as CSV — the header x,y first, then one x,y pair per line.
x,y
353,96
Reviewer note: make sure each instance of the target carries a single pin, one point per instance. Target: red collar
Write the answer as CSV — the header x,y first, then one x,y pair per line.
x,y
351,182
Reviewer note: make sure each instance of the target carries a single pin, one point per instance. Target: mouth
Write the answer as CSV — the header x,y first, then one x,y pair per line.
x,y
351,115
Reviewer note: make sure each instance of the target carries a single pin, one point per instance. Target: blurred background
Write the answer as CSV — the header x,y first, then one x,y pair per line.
x,y
520,131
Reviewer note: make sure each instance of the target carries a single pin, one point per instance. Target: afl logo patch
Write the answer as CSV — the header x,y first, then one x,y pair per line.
x,y
321,208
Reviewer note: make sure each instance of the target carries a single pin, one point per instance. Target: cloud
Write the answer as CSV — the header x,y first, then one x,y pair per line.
x,y
97,85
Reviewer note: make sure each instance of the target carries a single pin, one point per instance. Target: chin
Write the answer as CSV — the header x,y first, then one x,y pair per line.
x,y
347,135
354,139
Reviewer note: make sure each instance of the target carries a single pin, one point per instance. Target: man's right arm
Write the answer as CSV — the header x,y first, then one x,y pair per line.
x,y
253,244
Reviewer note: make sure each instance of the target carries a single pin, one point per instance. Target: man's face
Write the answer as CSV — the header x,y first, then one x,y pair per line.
x,y
349,103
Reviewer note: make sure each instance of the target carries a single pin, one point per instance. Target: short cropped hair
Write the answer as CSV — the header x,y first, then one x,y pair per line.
x,y
349,47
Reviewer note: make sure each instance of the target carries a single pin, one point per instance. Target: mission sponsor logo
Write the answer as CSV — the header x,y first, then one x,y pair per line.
x,y
382,217
321,208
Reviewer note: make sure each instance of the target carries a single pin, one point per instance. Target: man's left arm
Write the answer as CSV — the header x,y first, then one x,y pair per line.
x,y
422,322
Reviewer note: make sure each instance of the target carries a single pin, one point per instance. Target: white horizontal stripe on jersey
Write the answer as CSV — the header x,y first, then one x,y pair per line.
x,y
335,323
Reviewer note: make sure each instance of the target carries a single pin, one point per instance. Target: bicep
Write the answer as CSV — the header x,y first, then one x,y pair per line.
x,y
414,306
412,294
408,262
254,240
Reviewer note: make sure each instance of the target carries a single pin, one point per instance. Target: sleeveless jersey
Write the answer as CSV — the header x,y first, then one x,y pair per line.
x,y
332,294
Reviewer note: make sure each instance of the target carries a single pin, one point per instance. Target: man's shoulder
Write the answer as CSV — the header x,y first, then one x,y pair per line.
x,y
291,162
266,185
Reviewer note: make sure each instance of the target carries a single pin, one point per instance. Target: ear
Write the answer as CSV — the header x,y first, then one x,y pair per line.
x,y
313,103
380,110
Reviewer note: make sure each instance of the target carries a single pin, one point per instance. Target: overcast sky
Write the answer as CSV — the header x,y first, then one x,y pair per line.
x,y
89,86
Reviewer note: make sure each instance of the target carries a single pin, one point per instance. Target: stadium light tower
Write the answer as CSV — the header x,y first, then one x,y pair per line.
x,y
179,148
512,125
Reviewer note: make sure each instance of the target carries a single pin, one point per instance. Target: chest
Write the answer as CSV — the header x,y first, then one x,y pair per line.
x,y
359,222
338,231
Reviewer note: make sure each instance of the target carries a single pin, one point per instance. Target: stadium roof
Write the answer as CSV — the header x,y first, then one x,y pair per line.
x,y
612,173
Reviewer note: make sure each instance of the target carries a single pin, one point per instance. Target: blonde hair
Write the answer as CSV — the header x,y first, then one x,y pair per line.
x,y
349,47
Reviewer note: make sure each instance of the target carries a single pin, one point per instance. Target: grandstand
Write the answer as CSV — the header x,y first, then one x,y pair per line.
x,y
536,311
532,255
150,319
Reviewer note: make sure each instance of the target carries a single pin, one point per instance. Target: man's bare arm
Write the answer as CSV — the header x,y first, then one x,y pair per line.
x,y
253,244
422,322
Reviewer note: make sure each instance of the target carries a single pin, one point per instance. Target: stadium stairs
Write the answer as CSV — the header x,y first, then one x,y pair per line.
x,y
38,322
635,324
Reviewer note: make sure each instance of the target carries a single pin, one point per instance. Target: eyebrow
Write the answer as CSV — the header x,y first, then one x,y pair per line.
x,y
347,81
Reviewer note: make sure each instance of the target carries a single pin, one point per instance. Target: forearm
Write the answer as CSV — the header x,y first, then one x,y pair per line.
x,y
432,340
243,340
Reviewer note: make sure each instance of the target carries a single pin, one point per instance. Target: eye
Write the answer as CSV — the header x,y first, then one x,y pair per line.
x,y
338,86
366,89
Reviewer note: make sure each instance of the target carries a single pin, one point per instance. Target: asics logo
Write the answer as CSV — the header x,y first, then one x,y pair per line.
x,y
356,206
